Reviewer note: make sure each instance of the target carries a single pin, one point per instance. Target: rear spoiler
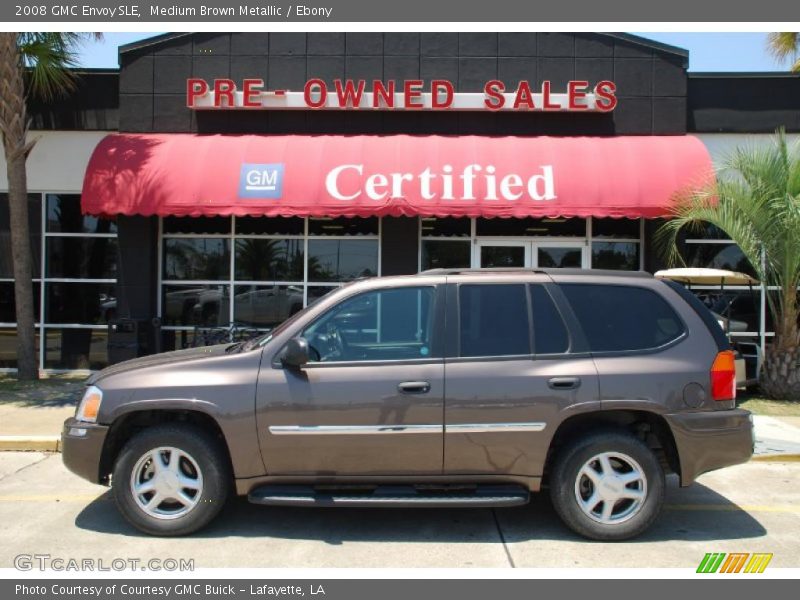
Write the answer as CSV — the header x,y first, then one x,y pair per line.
x,y
705,315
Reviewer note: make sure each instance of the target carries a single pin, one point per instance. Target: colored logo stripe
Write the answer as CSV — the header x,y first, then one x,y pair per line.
x,y
734,563
758,562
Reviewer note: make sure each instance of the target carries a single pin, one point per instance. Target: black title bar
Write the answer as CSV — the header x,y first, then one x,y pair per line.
x,y
468,11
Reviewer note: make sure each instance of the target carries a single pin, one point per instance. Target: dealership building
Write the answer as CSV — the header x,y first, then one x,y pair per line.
x,y
237,177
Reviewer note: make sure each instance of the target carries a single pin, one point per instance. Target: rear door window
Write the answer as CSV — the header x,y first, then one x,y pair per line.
x,y
549,332
619,318
493,320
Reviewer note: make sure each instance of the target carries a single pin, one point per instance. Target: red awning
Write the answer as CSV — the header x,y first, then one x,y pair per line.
x,y
332,175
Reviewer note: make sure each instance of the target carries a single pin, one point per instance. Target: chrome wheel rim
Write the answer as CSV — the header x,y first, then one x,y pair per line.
x,y
610,488
166,483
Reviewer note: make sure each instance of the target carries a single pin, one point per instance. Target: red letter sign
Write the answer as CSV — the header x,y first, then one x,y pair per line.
x,y
308,92
606,99
252,89
195,88
493,90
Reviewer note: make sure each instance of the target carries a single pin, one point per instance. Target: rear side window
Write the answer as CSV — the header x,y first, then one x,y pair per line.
x,y
618,318
549,332
493,320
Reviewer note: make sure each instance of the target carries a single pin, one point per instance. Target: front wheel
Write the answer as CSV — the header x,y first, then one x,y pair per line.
x,y
607,486
171,480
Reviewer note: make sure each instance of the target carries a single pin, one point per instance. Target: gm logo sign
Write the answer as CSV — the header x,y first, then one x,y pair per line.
x,y
261,181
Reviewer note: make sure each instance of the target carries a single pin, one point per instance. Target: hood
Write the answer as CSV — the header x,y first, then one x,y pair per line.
x,y
154,360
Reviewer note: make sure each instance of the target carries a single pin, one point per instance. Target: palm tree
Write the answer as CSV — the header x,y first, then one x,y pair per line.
x,y
42,61
756,201
783,45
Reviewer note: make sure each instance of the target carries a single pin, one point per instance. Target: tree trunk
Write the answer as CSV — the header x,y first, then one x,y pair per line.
x,y
780,375
13,125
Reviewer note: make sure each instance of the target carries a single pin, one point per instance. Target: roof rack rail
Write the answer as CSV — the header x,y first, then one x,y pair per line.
x,y
545,271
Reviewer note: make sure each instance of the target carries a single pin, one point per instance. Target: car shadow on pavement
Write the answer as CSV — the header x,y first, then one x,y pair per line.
x,y
694,514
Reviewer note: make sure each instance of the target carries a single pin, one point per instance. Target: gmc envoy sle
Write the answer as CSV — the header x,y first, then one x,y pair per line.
x,y
447,388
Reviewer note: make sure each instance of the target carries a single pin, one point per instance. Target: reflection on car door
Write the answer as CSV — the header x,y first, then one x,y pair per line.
x,y
371,400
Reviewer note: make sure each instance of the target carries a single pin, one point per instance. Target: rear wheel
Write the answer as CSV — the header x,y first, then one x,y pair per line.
x,y
607,486
171,479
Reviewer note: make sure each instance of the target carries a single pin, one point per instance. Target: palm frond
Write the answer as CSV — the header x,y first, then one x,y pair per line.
x,y
756,202
782,45
48,58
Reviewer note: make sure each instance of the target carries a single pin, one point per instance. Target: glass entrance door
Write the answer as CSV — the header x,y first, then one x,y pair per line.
x,y
508,253
503,254
561,255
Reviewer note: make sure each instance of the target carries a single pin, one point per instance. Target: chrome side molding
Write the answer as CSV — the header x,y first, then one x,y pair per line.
x,y
376,429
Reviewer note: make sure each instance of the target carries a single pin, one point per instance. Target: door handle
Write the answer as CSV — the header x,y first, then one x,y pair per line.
x,y
564,383
414,387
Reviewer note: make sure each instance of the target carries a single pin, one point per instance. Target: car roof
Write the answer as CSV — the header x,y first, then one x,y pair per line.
x,y
554,272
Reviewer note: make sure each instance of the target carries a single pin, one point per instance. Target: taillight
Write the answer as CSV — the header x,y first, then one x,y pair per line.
x,y
723,376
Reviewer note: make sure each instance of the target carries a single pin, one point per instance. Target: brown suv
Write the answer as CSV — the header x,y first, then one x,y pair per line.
x,y
447,388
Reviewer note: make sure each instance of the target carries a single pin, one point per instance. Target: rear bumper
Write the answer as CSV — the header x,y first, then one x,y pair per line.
x,y
711,440
82,448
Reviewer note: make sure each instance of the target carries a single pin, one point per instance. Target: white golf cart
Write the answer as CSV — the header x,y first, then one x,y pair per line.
x,y
721,303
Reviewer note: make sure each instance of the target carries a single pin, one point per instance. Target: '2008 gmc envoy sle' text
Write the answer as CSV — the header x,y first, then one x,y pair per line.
x,y
447,388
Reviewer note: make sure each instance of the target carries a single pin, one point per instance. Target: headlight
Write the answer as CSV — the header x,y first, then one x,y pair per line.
x,y
90,405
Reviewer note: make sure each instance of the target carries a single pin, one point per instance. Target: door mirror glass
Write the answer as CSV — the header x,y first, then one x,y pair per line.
x,y
295,355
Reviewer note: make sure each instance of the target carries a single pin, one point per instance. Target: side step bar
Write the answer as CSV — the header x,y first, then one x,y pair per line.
x,y
390,496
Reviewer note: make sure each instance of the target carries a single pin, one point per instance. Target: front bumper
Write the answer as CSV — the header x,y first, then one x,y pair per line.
x,y
82,448
711,440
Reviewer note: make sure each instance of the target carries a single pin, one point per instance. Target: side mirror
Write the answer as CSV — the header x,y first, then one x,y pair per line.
x,y
295,354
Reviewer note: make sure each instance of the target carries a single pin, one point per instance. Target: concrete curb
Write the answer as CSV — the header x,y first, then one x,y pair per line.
x,y
30,443
776,458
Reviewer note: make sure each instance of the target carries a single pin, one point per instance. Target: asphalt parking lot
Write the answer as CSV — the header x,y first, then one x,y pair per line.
x,y
749,508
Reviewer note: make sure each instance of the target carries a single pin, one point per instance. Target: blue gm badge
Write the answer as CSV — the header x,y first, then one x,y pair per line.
x,y
261,181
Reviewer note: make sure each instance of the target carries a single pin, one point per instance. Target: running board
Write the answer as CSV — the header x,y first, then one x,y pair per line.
x,y
390,496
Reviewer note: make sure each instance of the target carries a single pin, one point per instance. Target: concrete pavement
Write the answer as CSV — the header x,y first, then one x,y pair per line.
x,y
747,508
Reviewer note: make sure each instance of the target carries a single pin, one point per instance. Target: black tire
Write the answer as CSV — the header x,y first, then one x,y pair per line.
x,y
209,455
567,466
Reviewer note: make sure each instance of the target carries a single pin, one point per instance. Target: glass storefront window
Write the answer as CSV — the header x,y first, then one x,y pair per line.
x,y
80,303
445,255
616,228
266,306
259,259
618,256
446,227
35,228
76,348
8,348
196,259
195,304
341,260
81,257
8,303
716,256
64,216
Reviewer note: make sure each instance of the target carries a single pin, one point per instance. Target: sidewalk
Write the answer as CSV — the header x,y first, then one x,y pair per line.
x,y
31,419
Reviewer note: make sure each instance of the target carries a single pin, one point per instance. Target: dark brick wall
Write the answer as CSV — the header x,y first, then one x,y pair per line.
x,y
651,82
92,105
